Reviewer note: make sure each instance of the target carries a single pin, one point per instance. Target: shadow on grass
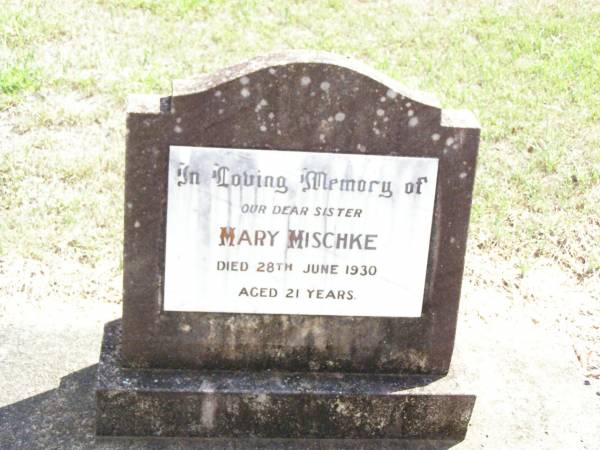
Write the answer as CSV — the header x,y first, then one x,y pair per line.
x,y
63,418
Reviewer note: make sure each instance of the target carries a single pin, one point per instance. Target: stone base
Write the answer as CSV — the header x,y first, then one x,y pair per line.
x,y
134,402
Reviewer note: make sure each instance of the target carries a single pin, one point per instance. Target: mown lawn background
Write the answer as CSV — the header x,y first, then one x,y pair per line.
x,y
529,70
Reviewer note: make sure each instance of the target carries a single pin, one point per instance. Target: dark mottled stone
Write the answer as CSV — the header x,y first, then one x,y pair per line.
x,y
150,402
221,110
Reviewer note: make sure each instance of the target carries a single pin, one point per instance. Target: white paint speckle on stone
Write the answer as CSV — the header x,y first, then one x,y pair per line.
x,y
455,146
408,104
376,131
263,128
245,92
325,86
413,122
330,119
209,411
260,105
177,129
410,113
271,115
449,141
272,71
452,240
382,99
385,119
435,137
391,94
305,80
279,132
178,120
221,111
322,137
244,80
340,117
463,175
361,148
380,112
186,328
218,93
137,224
261,399
129,205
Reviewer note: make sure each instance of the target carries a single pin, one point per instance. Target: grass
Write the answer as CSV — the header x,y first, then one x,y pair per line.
x,y
530,70
20,76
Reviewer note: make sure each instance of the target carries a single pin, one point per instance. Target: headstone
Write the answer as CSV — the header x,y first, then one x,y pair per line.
x,y
295,232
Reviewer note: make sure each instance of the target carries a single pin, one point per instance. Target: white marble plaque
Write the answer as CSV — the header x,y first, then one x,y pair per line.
x,y
286,232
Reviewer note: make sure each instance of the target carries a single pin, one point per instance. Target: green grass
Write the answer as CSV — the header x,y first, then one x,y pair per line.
x,y
530,71
19,76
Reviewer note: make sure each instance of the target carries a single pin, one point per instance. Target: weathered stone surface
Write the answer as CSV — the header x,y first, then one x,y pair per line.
x,y
305,102
150,402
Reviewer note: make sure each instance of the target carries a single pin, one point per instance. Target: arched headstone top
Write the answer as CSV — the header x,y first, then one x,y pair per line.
x,y
302,100
301,62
